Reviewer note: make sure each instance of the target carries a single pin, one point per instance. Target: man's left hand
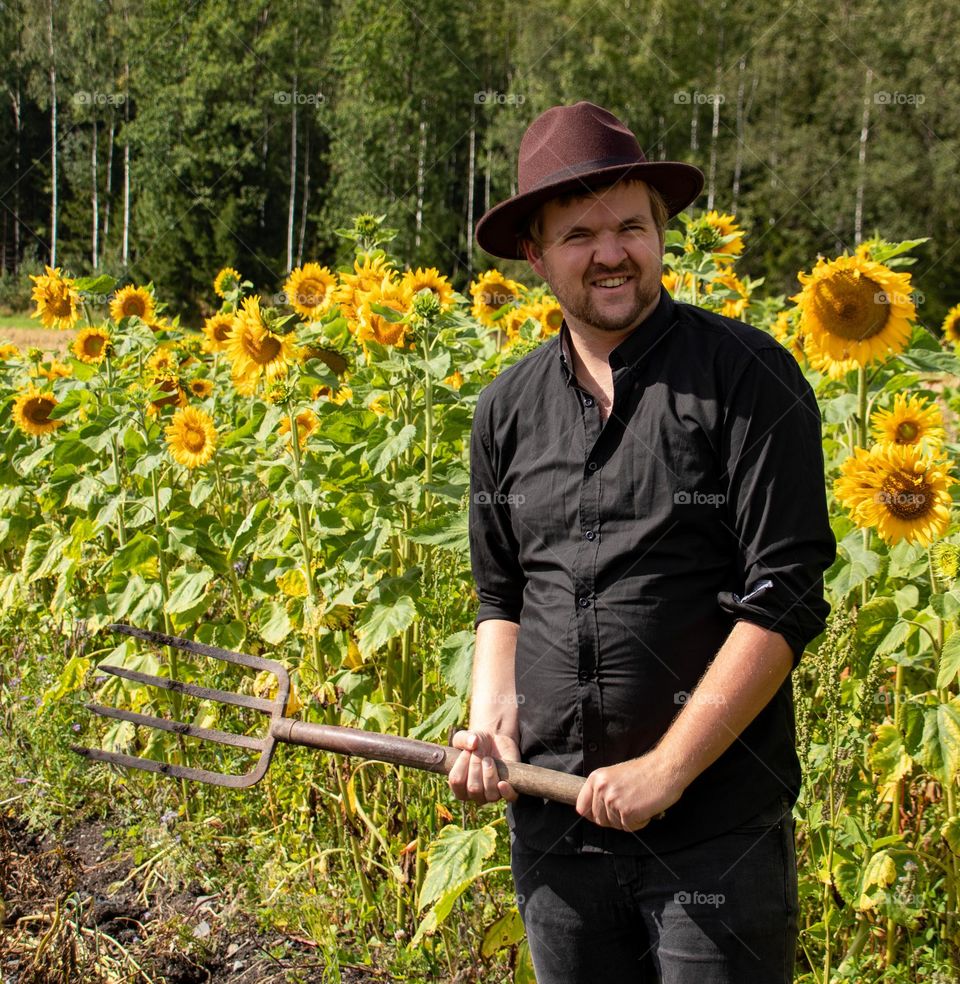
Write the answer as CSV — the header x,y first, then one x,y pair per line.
x,y
629,795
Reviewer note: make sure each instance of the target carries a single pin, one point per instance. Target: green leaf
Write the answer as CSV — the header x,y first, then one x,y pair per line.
x,y
273,623
389,450
939,751
888,756
247,530
950,832
71,679
456,661
506,931
187,589
455,859
449,532
874,621
854,565
379,622
949,662
140,553
103,284
438,723
226,635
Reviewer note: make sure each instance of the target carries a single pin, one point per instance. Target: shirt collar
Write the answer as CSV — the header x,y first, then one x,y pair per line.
x,y
635,346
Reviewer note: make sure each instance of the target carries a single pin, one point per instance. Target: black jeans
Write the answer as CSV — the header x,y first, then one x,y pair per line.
x,y
723,911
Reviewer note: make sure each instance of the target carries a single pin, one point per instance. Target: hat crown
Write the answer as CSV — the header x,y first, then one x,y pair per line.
x,y
569,140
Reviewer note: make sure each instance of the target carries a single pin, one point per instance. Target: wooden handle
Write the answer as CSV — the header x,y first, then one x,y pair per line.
x,y
529,779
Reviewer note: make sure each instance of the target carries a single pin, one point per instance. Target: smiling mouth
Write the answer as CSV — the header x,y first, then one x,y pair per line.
x,y
610,283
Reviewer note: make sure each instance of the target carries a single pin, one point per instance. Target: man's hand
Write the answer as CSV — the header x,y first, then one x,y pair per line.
x,y
629,795
474,776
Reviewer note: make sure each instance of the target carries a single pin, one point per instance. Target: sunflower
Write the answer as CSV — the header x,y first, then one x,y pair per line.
x,y
516,318
951,325
257,353
551,315
91,345
200,388
490,293
31,412
8,351
191,437
370,273
216,330
730,306
225,281
310,290
54,369
853,308
376,327
911,421
162,363
132,302
676,282
708,234
307,423
177,395
57,299
897,491
427,279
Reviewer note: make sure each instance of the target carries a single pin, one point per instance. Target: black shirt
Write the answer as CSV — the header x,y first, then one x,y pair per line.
x,y
627,549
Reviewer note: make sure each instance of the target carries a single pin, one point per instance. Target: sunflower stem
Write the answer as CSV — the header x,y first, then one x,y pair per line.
x,y
234,580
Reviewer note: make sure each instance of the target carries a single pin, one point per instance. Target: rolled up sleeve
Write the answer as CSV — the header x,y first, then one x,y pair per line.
x,y
777,500
494,551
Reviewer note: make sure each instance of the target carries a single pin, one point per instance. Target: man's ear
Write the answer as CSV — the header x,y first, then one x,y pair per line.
x,y
534,255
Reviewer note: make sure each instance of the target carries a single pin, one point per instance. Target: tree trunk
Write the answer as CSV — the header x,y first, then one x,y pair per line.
x,y
471,171
421,175
304,194
16,100
738,162
108,191
292,202
95,200
125,249
862,162
53,138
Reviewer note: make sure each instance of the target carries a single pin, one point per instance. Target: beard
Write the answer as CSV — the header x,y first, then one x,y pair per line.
x,y
579,301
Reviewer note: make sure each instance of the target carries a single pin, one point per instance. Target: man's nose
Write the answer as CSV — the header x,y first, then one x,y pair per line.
x,y
609,250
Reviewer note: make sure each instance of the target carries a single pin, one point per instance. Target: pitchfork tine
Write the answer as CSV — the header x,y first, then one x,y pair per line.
x,y
179,727
181,771
206,693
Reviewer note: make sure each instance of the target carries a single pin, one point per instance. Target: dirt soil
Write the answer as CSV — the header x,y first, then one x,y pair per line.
x,y
61,924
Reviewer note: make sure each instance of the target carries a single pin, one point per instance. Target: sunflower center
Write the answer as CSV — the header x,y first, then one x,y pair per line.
x,y
194,438
134,305
494,298
850,306
221,330
37,410
906,495
311,293
907,432
59,303
93,345
263,350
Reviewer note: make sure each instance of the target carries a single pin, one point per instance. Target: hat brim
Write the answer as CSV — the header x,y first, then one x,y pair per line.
x,y
498,230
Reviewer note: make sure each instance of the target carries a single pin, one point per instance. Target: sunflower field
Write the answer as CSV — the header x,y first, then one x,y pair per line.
x,y
292,481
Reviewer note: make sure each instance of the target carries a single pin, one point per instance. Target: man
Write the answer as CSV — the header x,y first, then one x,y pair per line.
x,y
648,532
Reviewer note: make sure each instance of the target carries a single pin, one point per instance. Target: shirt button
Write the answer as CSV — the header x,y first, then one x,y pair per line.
x,y
588,401
593,466
584,676
592,746
590,535
584,602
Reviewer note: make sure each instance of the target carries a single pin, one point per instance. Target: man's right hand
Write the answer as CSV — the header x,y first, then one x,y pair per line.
x,y
474,776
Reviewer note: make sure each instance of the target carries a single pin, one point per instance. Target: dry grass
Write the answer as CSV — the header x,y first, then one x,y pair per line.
x,y
47,340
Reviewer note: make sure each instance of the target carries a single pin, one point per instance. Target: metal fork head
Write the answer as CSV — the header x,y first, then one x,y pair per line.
x,y
265,746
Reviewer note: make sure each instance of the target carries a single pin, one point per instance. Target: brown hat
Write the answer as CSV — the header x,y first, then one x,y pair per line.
x,y
578,147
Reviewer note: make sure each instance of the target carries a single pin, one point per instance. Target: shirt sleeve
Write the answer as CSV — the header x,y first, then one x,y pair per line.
x,y
777,500
494,550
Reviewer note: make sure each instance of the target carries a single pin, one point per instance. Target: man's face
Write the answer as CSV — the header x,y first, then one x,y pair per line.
x,y
602,257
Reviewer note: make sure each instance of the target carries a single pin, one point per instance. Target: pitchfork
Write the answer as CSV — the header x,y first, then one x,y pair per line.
x,y
530,779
